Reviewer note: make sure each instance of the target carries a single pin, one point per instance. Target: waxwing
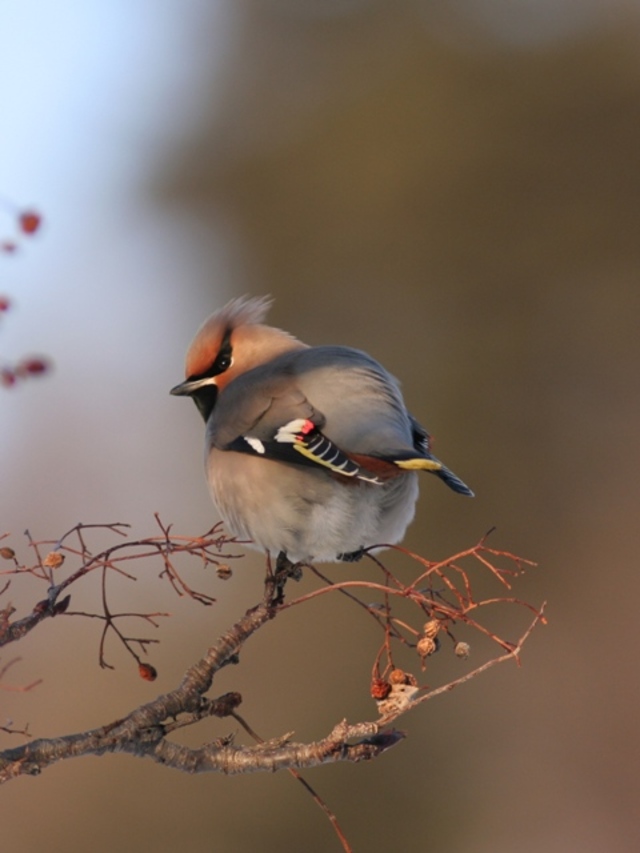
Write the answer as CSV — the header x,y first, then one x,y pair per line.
x,y
310,451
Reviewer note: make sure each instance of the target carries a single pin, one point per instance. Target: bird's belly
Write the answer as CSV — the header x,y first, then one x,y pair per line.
x,y
308,514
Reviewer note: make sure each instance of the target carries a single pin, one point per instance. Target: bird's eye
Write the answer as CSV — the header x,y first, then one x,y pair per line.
x,y
224,358
223,362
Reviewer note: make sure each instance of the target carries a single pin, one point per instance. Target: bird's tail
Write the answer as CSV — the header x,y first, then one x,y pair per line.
x,y
454,482
421,463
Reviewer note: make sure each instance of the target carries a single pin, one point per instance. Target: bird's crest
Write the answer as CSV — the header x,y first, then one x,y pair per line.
x,y
243,311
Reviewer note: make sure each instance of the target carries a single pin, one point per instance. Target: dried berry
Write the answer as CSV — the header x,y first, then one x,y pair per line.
x,y
224,572
380,689
32,366
29,221
431,628
7,377
7,553
148,672
462,650
53,560
426,646
398,676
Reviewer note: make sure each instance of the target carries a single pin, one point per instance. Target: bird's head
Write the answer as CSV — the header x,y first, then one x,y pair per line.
x,y
230,342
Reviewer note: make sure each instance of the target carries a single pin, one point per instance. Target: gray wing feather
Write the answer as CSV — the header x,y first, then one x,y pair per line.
x,y
343,391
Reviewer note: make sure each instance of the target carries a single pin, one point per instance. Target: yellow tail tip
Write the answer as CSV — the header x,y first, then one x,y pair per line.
x,y
419,464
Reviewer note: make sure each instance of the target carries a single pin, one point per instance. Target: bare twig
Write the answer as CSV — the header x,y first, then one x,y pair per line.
x,y
442,594
72,550
15,688
333,820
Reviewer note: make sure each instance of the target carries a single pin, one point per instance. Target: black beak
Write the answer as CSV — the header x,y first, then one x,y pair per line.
x,y
190,386
203,392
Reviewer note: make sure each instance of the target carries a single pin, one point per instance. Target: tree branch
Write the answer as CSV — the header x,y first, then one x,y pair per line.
x,y
445,597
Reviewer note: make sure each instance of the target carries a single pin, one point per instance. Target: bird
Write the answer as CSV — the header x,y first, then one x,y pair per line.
x,y
310,451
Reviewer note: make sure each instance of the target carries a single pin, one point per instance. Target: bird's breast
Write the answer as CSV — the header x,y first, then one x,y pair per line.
x,y
309,514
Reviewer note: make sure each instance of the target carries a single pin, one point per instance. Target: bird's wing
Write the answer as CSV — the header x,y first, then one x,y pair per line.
x,y
301,442
333,409
271,417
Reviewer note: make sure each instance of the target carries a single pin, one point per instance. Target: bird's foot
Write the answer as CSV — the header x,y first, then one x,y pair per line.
x,y
352,556
285,570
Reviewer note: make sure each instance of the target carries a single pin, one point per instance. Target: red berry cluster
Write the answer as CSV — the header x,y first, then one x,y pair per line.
x,y
33,366
27,223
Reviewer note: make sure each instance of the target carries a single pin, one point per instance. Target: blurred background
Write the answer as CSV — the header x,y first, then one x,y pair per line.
x,y
452,186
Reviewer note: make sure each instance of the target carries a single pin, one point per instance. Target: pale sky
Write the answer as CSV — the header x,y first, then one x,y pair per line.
x,y
94,96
